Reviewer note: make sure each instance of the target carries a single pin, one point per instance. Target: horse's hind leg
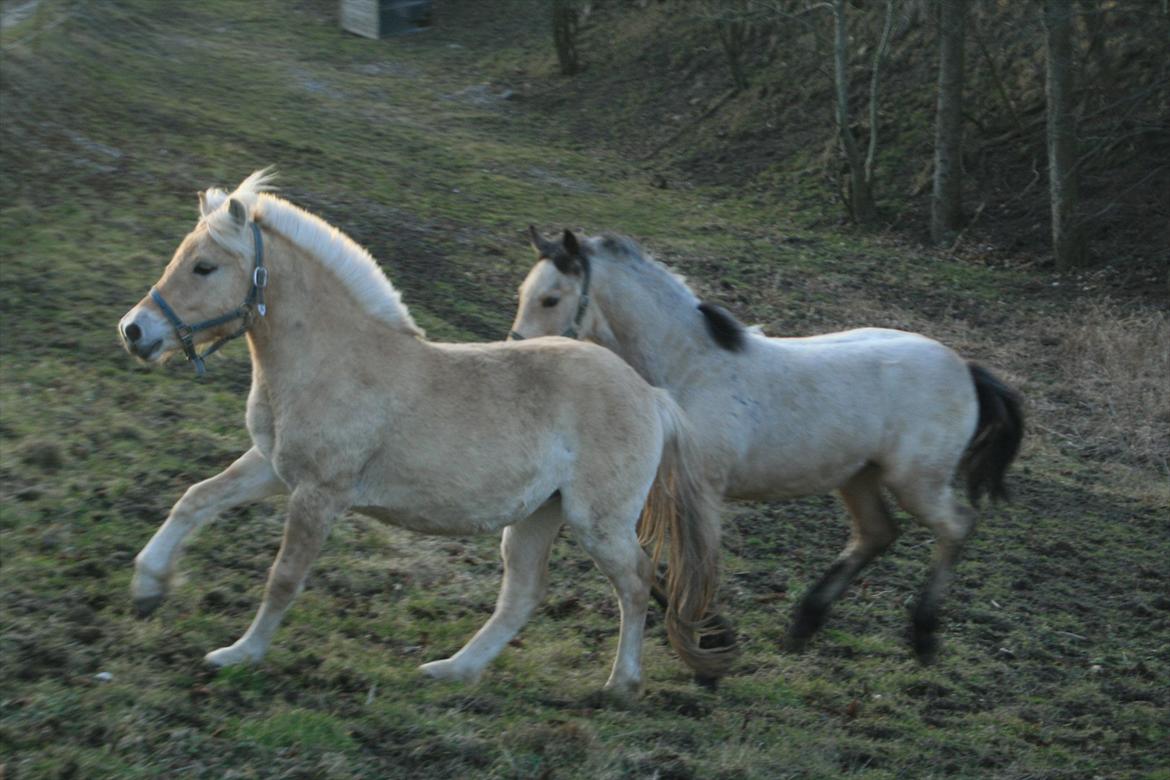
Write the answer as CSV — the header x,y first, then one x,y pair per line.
x,y
874,529
932,502
619,556
249,479
310,513
525,549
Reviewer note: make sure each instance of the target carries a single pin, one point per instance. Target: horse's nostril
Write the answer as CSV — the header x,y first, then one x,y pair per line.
x,y
133,332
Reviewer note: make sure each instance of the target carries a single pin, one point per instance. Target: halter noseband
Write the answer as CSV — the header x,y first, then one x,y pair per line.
x,y
573,330
243,312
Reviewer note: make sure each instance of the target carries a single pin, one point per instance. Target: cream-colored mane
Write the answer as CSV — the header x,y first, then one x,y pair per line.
x,y
353,265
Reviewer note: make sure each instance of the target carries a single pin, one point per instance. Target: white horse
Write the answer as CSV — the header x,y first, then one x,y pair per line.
x,y
781,417
351,407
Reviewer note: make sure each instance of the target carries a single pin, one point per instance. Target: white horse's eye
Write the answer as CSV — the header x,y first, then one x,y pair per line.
x,y
203,268
550,301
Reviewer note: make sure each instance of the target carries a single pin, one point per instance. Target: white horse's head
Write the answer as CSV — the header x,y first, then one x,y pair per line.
x,y
553,297
209,289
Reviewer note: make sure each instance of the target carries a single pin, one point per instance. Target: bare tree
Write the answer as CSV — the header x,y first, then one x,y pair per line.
x,y
946,204
564,24
731,24
860,201
1067,243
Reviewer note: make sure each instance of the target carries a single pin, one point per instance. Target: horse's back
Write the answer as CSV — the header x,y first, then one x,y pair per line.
x,y
838,401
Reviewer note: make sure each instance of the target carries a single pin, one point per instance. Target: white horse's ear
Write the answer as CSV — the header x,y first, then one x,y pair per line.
x,y
543,247
570,242
202,203
237,212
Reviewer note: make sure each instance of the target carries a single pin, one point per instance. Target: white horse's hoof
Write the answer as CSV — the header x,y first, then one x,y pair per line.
x,y
148,591
448,670
229,656
623,691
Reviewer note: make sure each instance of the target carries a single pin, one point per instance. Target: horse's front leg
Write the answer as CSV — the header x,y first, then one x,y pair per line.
x,y
311,511
249,479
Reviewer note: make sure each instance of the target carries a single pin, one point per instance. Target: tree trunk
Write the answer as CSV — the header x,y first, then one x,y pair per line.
x,y
564,22
1068,247
861,195
946,204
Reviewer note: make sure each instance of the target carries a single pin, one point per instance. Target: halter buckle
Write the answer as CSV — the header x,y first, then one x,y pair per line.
x,y
260,278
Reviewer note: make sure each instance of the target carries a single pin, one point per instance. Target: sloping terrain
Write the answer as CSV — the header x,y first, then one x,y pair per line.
x,y
436,151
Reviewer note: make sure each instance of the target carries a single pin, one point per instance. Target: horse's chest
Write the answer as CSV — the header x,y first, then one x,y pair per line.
x,y
260,423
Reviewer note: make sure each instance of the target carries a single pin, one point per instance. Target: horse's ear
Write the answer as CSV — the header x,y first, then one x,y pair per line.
x,y
202,203
544,247
238,213
570,243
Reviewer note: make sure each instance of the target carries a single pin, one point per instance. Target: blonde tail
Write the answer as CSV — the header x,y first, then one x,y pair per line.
x,y
683,509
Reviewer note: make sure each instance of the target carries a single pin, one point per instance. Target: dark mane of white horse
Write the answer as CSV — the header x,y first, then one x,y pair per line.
x,y
727,331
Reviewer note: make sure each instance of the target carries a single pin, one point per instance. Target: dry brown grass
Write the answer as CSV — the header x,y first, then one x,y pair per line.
x,y
1117,365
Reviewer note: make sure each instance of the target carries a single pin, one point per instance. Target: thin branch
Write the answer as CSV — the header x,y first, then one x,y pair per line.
x,y
874,80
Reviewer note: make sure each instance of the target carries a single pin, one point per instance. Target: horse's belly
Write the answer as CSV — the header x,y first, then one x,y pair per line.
x,y
447,511
760,480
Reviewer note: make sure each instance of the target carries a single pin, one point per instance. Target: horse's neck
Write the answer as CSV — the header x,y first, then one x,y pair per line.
x,y
658,333
312,321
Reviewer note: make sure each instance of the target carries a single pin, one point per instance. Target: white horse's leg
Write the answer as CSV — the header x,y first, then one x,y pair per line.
x,y
249,479
310,513
525,549
620,558
874,529
932,502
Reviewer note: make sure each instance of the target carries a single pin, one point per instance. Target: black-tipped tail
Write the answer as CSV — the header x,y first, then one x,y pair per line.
x,y
997,437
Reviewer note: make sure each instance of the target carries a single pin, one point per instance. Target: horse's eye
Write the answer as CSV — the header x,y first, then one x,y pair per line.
x,y
550,301
203,268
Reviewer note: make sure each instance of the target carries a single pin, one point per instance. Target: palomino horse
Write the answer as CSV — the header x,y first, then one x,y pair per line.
x,y
351,407
780,417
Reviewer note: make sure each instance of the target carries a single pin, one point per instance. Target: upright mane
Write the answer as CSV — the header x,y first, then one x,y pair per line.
x,y
354,267
724,329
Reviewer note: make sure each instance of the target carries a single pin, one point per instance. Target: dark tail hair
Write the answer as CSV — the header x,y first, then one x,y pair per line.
x,y
681,519
997,437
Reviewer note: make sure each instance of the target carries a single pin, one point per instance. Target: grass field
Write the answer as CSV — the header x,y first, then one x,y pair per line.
x,y
436,151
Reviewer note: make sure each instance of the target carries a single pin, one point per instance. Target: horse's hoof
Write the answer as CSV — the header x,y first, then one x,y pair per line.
x,y
707,682
446,669
144,607
925,647
796,640
228,656
621,693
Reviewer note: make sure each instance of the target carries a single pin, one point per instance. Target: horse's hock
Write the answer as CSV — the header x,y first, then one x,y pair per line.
x,y
379,18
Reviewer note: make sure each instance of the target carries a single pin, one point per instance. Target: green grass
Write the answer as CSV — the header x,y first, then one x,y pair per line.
x,y
116,113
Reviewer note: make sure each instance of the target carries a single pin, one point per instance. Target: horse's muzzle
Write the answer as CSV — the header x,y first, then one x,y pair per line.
x,y
142,337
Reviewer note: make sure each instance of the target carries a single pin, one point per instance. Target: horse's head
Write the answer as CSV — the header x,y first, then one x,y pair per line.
x,y
554,298
198,298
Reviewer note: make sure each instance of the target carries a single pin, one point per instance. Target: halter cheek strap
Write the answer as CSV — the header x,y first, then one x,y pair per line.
x,y
574,328
243,312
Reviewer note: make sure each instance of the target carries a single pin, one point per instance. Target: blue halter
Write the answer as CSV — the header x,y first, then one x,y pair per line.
x,y
243,312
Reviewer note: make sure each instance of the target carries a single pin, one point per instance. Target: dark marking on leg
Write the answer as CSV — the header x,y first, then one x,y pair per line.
x,y
924,624
814,607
